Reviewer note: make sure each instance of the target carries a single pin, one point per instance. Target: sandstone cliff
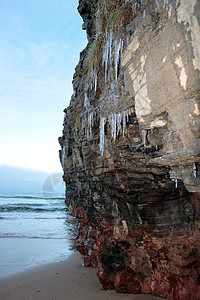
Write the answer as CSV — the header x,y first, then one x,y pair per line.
x,y
131,145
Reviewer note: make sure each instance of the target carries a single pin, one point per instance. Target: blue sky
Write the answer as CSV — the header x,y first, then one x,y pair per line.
x,y
40,42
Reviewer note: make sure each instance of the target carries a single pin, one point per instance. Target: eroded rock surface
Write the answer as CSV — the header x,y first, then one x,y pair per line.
x,y
131,144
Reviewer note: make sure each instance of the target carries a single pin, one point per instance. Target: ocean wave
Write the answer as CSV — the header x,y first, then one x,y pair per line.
x,y
4,236
32,197
30,209
35,218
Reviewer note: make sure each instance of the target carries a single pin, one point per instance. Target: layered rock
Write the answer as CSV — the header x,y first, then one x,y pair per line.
x,y
130,146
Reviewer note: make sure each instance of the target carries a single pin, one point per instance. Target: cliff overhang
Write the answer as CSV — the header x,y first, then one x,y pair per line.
x,y
130,146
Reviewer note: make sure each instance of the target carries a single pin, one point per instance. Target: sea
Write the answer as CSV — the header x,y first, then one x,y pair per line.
x,y
35,229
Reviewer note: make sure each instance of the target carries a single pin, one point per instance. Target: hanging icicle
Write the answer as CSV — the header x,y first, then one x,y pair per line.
x,y
63,156
106,55
123,121
95,82
116,120
113,121
194,170
90,123
101,134
86,98
117,57
176,183
144,134
110,46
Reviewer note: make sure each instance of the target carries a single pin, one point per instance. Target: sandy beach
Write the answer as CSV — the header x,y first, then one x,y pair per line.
x,y
65,280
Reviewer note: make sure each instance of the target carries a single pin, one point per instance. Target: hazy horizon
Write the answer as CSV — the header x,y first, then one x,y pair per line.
x,y
40,42
15,179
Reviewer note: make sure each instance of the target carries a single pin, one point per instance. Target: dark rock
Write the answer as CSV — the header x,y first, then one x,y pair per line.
x,y
130,146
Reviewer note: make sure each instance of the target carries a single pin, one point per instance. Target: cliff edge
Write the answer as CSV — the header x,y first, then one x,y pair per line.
x,y
130,148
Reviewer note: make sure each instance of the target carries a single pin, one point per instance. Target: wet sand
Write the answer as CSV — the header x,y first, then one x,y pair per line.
x,y
65,280
20,254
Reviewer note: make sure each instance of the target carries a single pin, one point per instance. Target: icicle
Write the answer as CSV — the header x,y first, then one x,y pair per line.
x,y
124,121
105,58
101,134
144,134
116,59
144,14
90,124
113,126
87,133
156,147
194,170
107,53
176,183
115,101
91,79
121,49
65,117
95,83
127,117
86,99
110,46
118,46
118,123
63,156
115,120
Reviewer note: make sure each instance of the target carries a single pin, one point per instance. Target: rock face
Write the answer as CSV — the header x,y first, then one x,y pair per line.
x,y
131,145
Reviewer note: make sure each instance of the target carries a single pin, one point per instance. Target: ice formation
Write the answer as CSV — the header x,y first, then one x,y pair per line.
x,y
144,134
123,121
86,98
93,80
90,124
194,170
112,122
116,121
101,134
107,52
118,54
112,57
176,183
63,156
109,56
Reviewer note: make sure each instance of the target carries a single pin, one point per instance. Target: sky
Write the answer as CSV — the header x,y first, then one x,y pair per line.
x,y
40,42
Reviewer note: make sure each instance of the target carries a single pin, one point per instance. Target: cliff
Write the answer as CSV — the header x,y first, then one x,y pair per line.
x,y
131,143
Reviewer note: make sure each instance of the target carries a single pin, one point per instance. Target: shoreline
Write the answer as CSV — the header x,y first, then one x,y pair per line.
x,y
67,279
23,254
